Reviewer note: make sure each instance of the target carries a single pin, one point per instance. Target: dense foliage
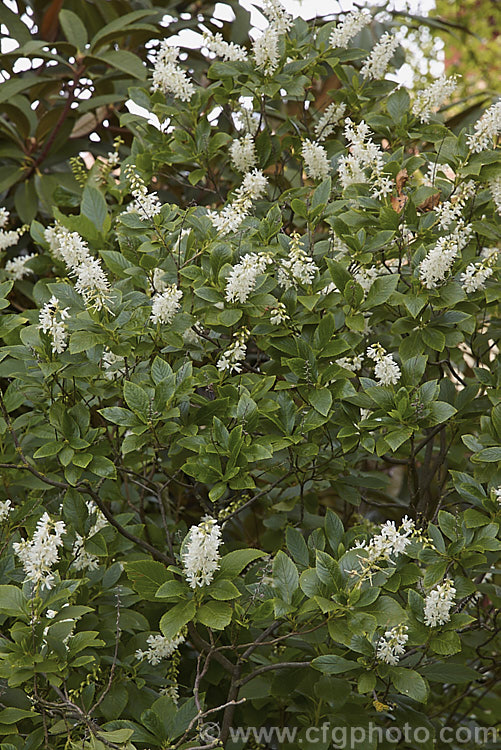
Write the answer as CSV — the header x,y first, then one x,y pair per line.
x,y
250,422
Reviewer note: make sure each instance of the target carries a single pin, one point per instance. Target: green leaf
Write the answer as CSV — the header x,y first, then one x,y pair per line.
x,y
382,288
223,590
103,467
489,455
434,338
119,415
450,673
446,643
332,664
297,546
334,529
74,30
147,576
12,601
13,715
126,62
216,615
173,620
136,398
398,105
49,449
232,564
441,411
409,682
160,370
94,206
321,400
285,576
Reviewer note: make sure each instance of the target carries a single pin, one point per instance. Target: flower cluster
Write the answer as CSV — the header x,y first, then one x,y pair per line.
x,y
476,274
277,16
41,553
364,154
366,277
452,210
145,204
242,278
83,560
243,153
231,358
487,129
434,268
7,237
278,314
299,268
165,304
429,100
391,645
266,47
353,364
349,28
91,281
228,51
51,321
331,116
377,63
112,364
231,216
168,76
385,546
16,268
495,188
200,553
160,648
5,509
386,370
438,604
316,162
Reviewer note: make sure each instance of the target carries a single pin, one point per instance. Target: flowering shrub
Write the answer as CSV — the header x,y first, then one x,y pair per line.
x,y
251,438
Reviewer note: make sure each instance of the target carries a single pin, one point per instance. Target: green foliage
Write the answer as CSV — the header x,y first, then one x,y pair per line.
x,y
302,378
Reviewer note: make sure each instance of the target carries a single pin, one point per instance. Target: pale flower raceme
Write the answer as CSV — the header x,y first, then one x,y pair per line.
x,y
113,365
377,63
487,129
316,162
391,646
51,321
265,50
83,560
242,278
40,554
7,237
200,552
228,51
299,268
331,116
168,76
243,153
145,204
160,647
438,604
278,314
166,304
231,359
5,509
366,277
16,267
231,216
353,364
349,28
386,370
435,267
428,101
363,154
476,274
384,547
277,16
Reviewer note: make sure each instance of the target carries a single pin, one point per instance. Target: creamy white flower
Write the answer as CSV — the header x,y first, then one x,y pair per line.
x,y
377,63
242,278
40,554
434,268
5,509
364,154
83,560
366,277
4,217
51,320
386,370
231,216
299,268
476,274
331,116
235,354
487,129
497,494
428,101
200,553
168,76
384,547
112,364
91,282
145,204
438,604
495,188
160,648
16,267
8,238
165,305
254,184
328,288
391,646
348,28
265,50
278,314
243,153
353,364
316,162
228,51
113,158
278,17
